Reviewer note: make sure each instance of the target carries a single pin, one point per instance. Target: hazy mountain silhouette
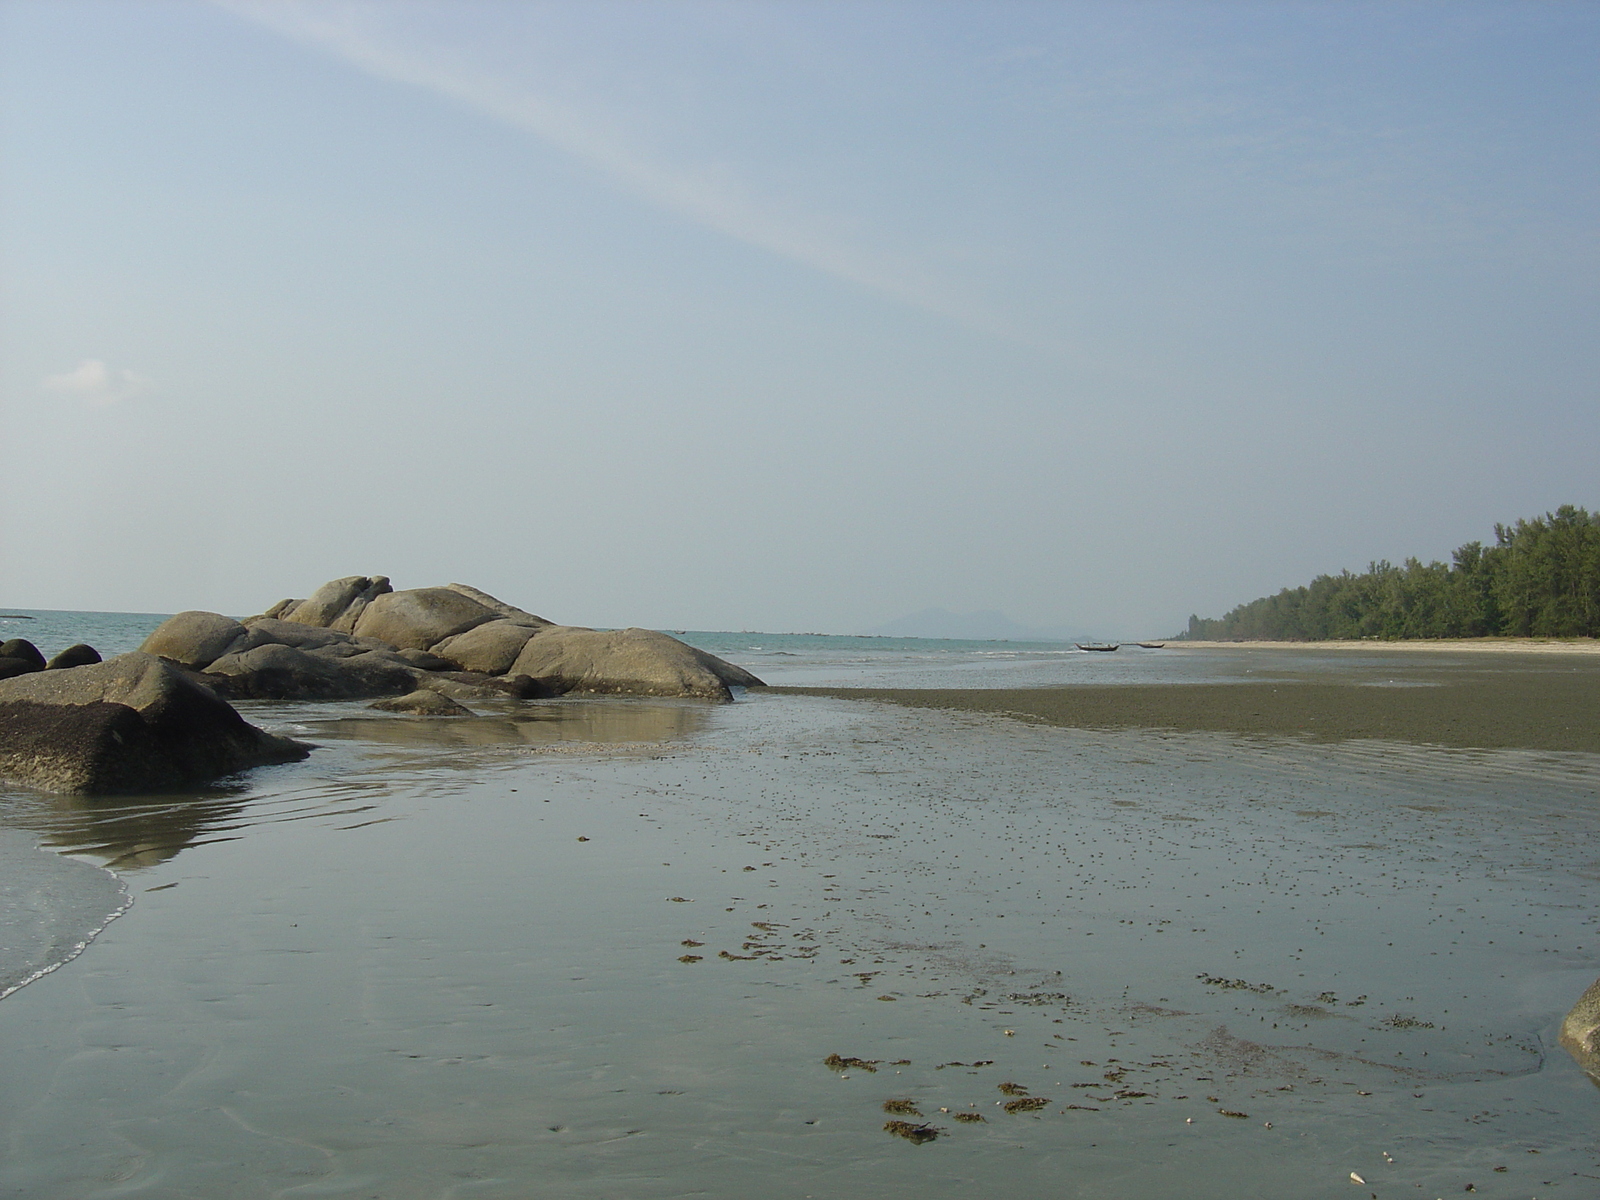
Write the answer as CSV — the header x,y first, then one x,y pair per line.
x,y
988,625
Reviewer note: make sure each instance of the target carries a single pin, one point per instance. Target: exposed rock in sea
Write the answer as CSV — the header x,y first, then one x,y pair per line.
x,y
357,638
133,724
1580,1032
638,662
422,703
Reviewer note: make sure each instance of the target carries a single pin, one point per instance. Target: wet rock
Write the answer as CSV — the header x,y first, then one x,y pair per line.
x,y
133,724
194,639
1580,1032
471,685
639,662
73,656
422,703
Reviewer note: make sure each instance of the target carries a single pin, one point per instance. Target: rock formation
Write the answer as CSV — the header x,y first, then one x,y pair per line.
x,y
134,724
159,718
357,638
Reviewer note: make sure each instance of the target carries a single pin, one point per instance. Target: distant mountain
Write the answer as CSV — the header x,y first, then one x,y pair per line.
x,y
987,625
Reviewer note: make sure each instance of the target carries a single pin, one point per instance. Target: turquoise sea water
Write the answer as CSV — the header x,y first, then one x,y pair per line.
x,y
601,948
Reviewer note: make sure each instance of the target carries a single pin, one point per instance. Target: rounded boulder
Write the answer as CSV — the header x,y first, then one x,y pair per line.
x,y
193,639
421,618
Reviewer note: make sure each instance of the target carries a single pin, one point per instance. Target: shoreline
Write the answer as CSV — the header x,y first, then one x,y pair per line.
x,y
1469,645
1535,703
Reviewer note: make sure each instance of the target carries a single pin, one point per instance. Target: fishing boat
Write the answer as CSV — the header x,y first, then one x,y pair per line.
x,y
1103,646
1152,645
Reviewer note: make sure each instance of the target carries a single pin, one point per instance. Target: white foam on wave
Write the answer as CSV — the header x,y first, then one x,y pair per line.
x,y
51,909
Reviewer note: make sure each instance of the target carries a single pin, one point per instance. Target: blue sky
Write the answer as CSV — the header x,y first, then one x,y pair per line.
x,y
787,316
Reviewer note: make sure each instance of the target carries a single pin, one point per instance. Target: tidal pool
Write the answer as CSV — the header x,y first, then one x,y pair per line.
x,y
606,949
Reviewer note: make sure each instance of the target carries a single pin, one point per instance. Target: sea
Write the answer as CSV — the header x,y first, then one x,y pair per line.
x,y
804,947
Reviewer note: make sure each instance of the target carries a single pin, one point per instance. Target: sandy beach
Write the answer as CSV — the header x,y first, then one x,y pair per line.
x,y
1421,645
1493,695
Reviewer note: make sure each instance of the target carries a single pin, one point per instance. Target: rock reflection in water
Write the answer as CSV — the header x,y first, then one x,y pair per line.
x,y
129,832
598,721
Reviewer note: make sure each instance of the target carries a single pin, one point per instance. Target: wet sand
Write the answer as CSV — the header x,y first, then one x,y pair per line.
x,y
611,948
1515,701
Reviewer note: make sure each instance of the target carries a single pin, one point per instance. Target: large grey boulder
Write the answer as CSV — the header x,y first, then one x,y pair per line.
x,y
638,662
1580,1032
510,611
337,604
277,672
195,639
421,618
133,724
491,647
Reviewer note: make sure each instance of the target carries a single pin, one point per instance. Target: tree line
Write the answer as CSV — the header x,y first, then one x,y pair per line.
x,y
1541,578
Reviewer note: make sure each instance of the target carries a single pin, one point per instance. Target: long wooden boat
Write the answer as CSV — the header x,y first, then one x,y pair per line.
x,y
1152,645
1104,646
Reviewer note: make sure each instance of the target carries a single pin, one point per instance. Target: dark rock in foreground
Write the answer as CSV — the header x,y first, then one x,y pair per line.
x,y
133,724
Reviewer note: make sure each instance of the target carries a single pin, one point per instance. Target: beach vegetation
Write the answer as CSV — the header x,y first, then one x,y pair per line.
x,y
1540,578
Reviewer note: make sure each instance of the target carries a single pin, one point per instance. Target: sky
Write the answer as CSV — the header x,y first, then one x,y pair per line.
x,y
787,316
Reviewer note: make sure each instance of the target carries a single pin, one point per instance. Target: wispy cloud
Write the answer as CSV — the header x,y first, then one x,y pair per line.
x,y
97,384
712,196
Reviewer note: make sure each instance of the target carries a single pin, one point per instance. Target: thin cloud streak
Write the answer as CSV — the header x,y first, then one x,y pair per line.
x,y
708,198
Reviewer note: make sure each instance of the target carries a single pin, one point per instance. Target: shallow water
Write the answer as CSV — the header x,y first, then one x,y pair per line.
x,y
399,970
442,958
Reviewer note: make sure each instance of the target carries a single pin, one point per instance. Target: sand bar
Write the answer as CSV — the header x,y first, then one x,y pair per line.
x,y
1531,699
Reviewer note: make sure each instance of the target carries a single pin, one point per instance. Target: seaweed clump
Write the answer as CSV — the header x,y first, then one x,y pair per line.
x,y
837,1062
1238,985
915,1134
1026,1104
906,1108
970,1118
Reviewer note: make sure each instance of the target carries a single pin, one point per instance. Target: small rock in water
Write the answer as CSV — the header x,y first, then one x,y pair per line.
x,y
422,703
